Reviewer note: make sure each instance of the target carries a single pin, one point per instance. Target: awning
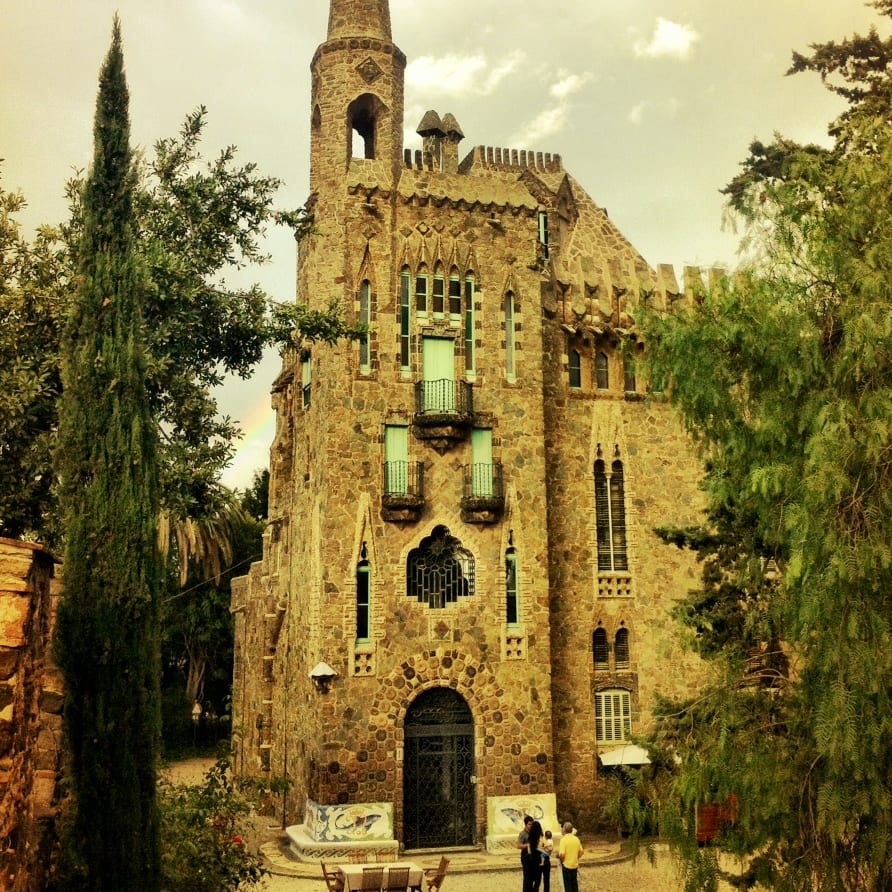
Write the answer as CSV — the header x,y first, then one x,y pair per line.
x,y
628,754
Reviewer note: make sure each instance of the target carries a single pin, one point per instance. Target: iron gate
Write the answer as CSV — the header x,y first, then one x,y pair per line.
x,y
438,791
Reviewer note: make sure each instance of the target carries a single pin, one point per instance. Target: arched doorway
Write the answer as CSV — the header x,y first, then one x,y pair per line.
x,y
438,769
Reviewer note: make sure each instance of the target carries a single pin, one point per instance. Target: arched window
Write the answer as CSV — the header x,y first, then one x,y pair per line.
x,y
438,297
422,284
454,295
405,285
362,116
600,649
621,649
365,318
610,517
363,597
439,571
470,359
601,368
613,715
511,586
575,370
629,382
510,359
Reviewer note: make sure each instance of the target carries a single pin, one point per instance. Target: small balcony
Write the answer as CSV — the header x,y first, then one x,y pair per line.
x,y
483,493
402,499
444,412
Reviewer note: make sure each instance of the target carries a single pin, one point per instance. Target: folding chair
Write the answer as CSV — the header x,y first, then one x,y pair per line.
x,y
434,877
372,879
397,878
333,879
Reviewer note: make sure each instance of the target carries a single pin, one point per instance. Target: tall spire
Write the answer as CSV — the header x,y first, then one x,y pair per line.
x,y
359,18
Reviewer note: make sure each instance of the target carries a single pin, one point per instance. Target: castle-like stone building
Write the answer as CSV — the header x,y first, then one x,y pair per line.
x,y
461,595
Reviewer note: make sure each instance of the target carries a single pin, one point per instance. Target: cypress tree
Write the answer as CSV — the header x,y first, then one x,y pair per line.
x,y
107,640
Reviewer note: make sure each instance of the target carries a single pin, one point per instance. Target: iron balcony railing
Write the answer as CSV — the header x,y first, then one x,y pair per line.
x,y
483,484
403,481
443,397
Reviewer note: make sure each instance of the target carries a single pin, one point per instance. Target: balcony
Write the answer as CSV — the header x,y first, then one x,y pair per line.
x,y
444,412
483,493
402,499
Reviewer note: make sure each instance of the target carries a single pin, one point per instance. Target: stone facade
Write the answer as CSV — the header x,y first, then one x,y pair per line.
x,y
434,524
30,716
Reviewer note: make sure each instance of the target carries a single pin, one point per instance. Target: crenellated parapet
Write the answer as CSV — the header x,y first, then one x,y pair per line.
x,y
610,301
495,158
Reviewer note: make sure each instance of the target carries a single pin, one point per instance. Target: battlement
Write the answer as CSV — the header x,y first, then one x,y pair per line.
x,y
495,158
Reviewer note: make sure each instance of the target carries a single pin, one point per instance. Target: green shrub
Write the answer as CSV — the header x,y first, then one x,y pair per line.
x,y
204,835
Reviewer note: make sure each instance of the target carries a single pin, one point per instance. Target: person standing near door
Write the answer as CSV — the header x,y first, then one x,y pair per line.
x,y
569,853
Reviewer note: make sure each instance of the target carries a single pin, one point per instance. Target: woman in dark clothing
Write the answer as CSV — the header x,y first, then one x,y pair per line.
x,y
532,859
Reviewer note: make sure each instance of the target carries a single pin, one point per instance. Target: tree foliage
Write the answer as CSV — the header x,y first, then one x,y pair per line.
x,y
205,835
783,375
196,222
107,633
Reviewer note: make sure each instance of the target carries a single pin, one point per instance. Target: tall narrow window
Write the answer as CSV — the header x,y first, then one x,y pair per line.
x,y
421,286
613,716
439,293
454,296
510,363
575,370
511,611
602,370
610,517
600,649
621,649
365,318
363,597
306,373
618,517
396,459
543,234
469,325
405,283
629,382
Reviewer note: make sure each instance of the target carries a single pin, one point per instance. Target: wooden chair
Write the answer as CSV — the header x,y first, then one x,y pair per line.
x,y
434,876
397,878
372,879
333,879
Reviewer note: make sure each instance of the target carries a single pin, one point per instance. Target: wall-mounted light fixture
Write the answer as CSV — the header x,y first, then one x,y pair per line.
x,y
322,675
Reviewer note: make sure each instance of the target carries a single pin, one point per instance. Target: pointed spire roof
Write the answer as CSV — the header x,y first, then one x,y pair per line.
x,y
359,18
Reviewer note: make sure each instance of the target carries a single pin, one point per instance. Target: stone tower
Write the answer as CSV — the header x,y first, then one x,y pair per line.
x,y
461,610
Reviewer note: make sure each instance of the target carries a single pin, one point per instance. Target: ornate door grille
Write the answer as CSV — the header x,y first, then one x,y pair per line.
x,y
438,793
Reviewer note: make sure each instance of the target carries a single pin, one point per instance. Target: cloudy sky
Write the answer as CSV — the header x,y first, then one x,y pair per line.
x,y
651,103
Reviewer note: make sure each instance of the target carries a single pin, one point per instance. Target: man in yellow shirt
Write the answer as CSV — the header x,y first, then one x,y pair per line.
x,y
569,853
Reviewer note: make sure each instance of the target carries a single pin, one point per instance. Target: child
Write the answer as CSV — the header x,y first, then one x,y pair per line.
x,y
545,855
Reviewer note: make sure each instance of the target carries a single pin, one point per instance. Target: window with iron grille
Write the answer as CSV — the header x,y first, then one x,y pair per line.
x,y
439,571
610,516
613,715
